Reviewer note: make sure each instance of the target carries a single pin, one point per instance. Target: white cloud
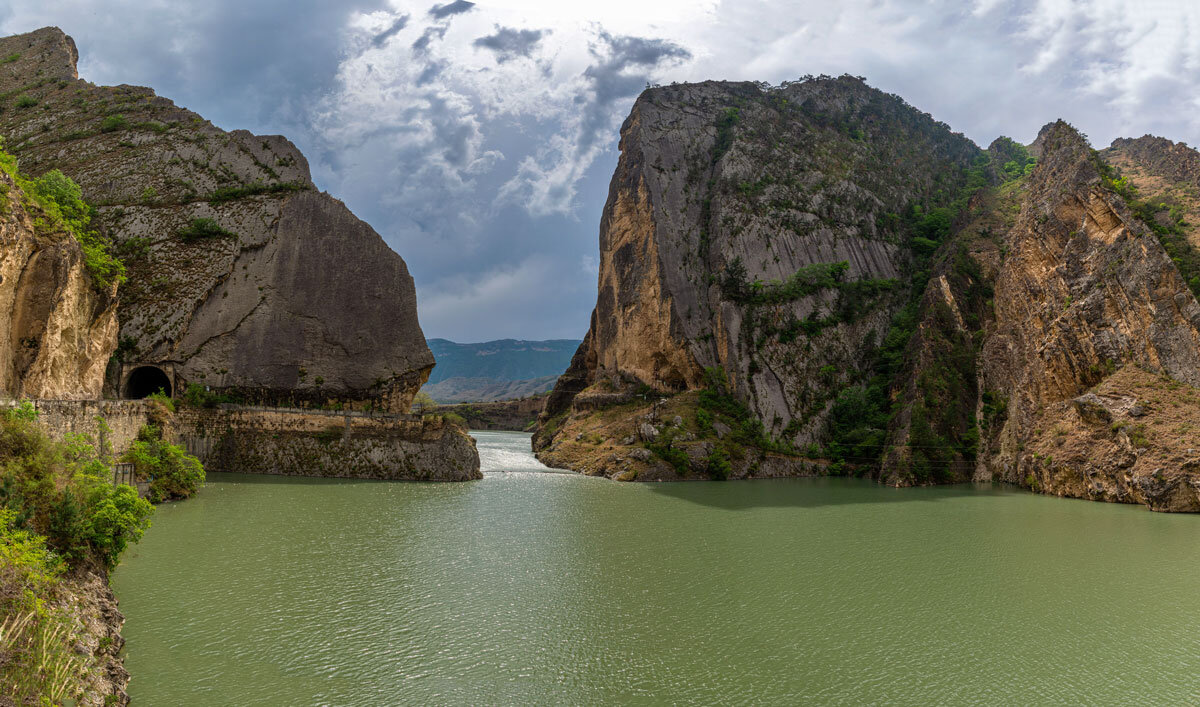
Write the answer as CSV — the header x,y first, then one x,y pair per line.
x,y
484,161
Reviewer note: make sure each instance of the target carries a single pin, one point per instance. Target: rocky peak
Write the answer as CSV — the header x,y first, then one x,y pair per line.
x,y
47,54
1174,161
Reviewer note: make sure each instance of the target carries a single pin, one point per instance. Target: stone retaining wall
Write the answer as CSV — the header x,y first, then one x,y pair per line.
x,y
318,443
60,418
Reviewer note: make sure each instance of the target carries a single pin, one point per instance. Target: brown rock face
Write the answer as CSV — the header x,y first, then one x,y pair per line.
x,y
56,331
1055,343
1085,289
719,178
241,275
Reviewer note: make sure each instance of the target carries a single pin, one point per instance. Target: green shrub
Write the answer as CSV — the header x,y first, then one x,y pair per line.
x,y
10,58
26,101
674,456
173,473
61,203
64,492
200,228
196,396
160,396
113,123
718,464
24,411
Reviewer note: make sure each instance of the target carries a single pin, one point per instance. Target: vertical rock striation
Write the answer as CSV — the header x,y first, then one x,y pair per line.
x,y
730,207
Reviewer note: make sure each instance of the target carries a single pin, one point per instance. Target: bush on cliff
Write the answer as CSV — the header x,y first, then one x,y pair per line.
x,y
56,202
63,491
173,473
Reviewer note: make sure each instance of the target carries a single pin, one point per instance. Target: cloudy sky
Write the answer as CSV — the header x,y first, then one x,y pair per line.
x,y
478,139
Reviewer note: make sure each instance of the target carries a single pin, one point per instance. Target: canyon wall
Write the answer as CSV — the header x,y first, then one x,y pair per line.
x,y
57,329
756,231
817,278
243,277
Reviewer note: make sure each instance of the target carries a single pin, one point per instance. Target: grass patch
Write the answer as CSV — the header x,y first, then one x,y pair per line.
x,y
201,228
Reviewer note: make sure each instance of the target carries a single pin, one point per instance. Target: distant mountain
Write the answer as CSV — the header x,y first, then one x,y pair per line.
x,y
503,360
472,390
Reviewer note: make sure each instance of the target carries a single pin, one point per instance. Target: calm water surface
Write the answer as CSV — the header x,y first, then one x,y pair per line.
x,y
534,587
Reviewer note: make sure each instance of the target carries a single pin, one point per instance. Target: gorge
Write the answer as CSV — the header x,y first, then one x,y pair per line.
x,y
813,279
818,278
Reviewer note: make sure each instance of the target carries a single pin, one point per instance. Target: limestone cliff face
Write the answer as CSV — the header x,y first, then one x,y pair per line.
x,y
242,275
723,193
1044,333
1078,376
57,331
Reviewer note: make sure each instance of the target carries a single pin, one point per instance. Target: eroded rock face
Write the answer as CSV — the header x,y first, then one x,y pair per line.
x,y
718,178
1055,344
1085,289
290,298
57,331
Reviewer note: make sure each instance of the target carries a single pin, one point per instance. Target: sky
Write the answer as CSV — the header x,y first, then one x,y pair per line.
x,y
479,138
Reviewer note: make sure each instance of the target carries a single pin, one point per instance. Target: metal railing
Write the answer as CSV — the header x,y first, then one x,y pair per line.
x,y
123,473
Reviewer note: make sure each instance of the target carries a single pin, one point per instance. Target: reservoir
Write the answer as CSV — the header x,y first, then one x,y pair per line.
x,y
534,586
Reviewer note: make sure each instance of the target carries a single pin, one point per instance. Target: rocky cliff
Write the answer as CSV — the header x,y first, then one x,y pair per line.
x,y
847,286
760,233
57,327
242,276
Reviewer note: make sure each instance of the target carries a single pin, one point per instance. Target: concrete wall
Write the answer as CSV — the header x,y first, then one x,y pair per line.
x,y
62,417
325,443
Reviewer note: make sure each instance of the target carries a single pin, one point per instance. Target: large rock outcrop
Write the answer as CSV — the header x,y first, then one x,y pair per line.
x,y
57,330
782,291
746,223
242,276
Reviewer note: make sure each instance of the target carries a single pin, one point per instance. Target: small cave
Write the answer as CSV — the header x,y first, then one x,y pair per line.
x,y
145,380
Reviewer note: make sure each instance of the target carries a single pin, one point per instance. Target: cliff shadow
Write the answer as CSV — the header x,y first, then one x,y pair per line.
x,y
815,492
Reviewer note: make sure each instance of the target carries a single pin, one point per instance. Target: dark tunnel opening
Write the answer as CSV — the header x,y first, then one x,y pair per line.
x,y
146,380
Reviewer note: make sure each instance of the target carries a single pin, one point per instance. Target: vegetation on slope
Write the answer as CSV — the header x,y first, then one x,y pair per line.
x,y
1165,220
60,513
56,203
942,429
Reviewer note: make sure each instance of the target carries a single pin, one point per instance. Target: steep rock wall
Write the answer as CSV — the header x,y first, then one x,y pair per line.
x,y
57,331
1085,288
290,298
717,179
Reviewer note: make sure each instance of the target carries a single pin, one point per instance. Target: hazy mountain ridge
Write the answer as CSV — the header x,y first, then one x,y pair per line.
x,y
500,360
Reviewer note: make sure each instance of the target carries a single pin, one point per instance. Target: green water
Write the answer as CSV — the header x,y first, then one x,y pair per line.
x,y
536,588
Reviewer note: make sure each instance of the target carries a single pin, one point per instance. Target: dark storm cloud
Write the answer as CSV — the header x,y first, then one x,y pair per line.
x,y
253,65
431,33
380,39
451,8
623,67
509,43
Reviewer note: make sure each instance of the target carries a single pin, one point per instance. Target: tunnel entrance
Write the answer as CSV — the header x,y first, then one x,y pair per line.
x,y
145,380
